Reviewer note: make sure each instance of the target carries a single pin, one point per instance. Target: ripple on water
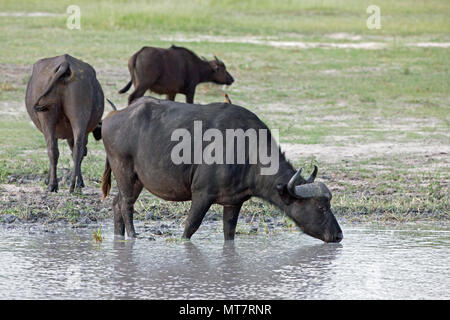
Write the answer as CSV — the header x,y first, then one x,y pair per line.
x,y
370,263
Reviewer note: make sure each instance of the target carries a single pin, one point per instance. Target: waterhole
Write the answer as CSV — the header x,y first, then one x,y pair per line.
x,y
372,262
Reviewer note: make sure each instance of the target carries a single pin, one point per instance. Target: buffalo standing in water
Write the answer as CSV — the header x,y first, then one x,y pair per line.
x,y
65,101
138,143
171,71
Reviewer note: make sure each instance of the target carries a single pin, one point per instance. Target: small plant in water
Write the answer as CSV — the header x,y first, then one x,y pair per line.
x,y
265,226
98,235
289,224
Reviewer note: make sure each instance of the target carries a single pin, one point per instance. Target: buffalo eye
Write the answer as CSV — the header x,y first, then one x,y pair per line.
x,y
281,188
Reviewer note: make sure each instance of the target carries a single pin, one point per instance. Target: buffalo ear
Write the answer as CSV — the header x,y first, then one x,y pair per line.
x,y
284,194
214,65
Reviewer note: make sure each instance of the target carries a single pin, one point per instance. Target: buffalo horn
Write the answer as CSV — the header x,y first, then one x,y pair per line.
x,y
313,175
312,190
293,182
218,61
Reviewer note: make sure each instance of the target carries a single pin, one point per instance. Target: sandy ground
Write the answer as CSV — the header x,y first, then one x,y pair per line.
x,y
273,42
334,154
31,14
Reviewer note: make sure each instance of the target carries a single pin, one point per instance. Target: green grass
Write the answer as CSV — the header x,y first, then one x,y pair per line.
x,y
260,17
315,97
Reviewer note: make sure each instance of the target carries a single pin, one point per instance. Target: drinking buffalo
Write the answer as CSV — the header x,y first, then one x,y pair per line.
x,y
65,101
171,71
139,149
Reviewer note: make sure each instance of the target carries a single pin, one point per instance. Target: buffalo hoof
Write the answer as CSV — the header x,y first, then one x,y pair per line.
x,y
119,230
76,188
52,187
133,235
72,189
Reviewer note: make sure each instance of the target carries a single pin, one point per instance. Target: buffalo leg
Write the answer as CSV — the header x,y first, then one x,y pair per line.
x,y
77,156
127,207
171,96
137,93
53,155
199,207
119,224
129,189
190,96
230,218
70,142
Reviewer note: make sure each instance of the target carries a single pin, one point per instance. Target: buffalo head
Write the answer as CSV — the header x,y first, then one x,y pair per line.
x,y
308,204
220,73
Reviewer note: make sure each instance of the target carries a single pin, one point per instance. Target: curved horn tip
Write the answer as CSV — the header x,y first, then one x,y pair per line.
x,y
313,175
293,182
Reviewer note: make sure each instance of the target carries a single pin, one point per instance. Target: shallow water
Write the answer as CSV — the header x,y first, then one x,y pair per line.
x,y
372,262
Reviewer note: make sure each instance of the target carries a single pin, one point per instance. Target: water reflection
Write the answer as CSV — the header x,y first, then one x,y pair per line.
x,y
189,271
371,263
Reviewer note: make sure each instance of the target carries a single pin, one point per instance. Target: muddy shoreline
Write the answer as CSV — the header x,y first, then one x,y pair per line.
x,y
25,204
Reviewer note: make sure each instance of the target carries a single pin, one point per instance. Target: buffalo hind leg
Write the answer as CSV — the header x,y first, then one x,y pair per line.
x,y
230,218
70,142
129,189
171,96
138,92
78,152
127,207
119,224
53,155
190,95
199,207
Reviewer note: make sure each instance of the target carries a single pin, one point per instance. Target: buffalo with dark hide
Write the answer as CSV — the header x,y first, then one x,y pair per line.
x,y
138,144
171,71
65,101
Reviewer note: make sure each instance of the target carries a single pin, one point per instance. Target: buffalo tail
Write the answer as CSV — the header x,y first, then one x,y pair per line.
x,y
106,181
97,133
125,89
112,104
59,72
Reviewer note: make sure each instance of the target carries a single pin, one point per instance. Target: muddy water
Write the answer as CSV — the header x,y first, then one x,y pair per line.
x,y
408,262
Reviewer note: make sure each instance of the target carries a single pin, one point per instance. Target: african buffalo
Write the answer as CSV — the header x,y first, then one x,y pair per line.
x,y
139,146
171,71
65,101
